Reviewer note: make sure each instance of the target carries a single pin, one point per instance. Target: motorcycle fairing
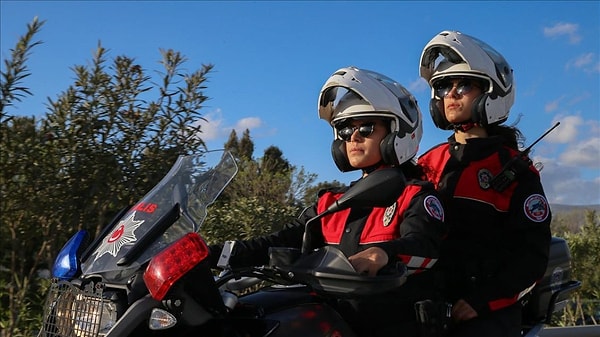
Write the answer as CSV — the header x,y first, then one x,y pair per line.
x,y
192,184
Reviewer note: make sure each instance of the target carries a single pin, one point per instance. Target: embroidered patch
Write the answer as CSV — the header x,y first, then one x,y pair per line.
x,y
434,207
536,208
484,177
389,214
122,235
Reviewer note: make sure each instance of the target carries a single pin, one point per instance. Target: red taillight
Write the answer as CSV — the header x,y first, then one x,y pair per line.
x,y
172,263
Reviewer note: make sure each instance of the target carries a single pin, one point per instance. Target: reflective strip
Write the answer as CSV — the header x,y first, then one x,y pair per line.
x,y
527,290
417,264
505,302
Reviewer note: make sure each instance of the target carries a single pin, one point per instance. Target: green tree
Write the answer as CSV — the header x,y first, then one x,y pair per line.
x,y
232,143
25,214
21,173
273,161
246,146
581,229
311,194
585,248
16,71
261,198
104,142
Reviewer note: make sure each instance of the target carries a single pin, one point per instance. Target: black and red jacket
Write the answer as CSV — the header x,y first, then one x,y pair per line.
x,y
410,231
498,241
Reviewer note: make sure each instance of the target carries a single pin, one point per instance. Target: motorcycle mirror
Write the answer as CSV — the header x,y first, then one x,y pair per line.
x,y
380,188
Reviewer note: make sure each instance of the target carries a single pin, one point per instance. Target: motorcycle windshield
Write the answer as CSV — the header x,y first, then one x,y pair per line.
x,y
174,207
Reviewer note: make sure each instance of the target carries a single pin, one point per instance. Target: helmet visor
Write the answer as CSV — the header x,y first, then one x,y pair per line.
x,y
330,101
340,102
443,87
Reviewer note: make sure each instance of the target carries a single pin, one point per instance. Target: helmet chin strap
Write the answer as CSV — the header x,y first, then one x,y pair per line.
x,y
464,126
372,168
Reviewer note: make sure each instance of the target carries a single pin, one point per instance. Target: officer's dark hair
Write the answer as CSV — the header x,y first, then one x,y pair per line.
x,y
511,135
413,170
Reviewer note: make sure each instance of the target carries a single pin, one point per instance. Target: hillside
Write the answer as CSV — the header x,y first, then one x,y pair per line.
x,y
559,208
570,217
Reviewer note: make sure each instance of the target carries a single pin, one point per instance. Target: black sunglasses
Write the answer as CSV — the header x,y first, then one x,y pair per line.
x,y
443,88
365,130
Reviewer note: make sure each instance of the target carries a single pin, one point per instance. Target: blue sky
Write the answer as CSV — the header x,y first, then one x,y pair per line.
x,y
272,57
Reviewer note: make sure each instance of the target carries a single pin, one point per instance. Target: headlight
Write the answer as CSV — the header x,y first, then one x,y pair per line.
x,y
84,316
93,315
78,313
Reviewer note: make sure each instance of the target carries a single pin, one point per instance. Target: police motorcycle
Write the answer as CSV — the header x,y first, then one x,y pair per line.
x,y
147,273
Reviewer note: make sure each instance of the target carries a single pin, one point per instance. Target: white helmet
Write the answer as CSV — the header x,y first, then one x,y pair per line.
x,y
465,56
357,93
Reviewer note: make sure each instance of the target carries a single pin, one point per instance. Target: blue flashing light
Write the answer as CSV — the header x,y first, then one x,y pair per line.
x,y
66,264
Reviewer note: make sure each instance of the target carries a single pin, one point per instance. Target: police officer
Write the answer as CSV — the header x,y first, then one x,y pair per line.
x,y
376,124
498,217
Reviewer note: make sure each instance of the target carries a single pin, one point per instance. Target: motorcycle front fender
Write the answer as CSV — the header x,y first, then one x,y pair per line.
x,y
309,320
306,320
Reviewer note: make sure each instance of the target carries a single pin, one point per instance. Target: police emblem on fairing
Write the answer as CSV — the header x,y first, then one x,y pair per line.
x,y
122,235
484,177
389,214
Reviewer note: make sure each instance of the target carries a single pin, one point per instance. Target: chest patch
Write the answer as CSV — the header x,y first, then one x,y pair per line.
x,y
536,208
389,214
434,208
484,177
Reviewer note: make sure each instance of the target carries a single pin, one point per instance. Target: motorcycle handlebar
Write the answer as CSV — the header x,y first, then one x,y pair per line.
x,y
240,283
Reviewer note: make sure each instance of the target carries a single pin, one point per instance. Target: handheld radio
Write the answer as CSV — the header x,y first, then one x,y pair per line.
x,y
515,166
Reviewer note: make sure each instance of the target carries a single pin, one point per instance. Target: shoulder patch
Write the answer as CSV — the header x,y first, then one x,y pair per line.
x,y
433,206
536,208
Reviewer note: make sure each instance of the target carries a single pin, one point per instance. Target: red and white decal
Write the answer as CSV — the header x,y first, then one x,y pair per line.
x,y
146,207
434,207
123,234
536,208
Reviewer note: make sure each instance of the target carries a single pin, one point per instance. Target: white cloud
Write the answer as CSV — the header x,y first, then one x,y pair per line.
x,y
247,123
419,85
564,184
585,153
215,128
555,105
561,29
567,130
579,98
587,62
211,126
574,176
583,60
552,106
594,126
